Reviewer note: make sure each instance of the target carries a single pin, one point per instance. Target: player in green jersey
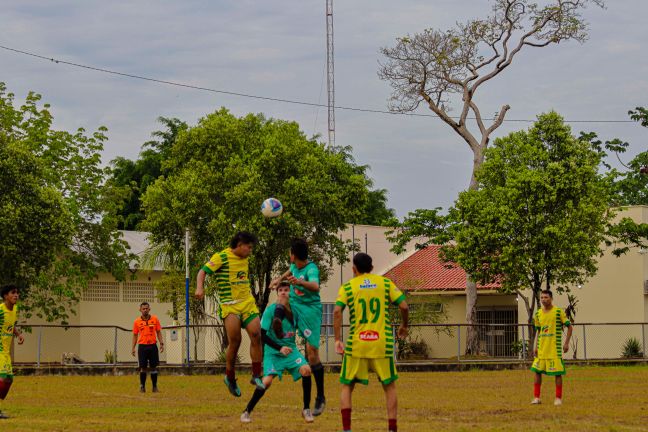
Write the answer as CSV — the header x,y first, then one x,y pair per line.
x,y
281,354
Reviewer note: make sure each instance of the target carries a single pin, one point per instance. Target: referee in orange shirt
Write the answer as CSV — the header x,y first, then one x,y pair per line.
x,y
146,332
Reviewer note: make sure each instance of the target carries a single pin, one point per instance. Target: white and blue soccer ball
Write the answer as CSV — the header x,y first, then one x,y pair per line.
x,y
271,207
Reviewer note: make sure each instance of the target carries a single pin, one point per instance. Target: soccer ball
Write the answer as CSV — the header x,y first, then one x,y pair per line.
x,y
271,208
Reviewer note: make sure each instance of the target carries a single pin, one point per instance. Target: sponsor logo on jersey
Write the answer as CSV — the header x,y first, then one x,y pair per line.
x,y
366,284
307,332
241,275
298,361
299,292
369,335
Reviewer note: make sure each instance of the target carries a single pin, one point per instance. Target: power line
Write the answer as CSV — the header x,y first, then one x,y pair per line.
x,y
266,98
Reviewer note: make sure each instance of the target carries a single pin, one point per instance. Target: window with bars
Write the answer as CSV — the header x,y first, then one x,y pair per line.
x,y
498,341
327,319
138,292
98,291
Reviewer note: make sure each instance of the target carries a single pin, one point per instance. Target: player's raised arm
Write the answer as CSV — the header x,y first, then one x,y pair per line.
x,y
277,281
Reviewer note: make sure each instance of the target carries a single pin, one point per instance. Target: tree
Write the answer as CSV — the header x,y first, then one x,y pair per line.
x,y
224,167
376,211
436,66
540,216
55,204
139,174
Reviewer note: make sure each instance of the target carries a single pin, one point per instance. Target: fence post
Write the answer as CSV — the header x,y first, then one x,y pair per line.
x,y
524,355
643,338
458,343
115,349
584,342
40,338
328,359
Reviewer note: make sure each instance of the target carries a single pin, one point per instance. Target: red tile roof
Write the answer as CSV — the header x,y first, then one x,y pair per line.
x,y
425,271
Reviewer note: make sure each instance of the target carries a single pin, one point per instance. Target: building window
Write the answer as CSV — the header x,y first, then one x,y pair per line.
x,y
101,292
498,341
138,292
327,319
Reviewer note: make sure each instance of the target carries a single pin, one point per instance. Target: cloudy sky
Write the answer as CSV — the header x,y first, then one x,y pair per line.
x,y
277,49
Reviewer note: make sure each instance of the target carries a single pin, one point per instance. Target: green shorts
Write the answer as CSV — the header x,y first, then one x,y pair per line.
x,y
356,370
309,321
276,364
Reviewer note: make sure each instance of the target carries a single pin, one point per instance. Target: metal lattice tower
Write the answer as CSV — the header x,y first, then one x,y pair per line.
x,y
330,73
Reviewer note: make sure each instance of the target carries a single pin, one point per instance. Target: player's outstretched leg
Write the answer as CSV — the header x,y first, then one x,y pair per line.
x,y
256,397
233,329
253,329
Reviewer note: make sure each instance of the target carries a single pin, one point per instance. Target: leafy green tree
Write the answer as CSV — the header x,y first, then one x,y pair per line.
x,y
540,217
441,69
224,167
55,204
376,211
137,175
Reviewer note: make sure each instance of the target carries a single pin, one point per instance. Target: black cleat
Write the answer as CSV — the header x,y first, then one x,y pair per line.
x,y
320,404
155,389
142,389
3,415
233,387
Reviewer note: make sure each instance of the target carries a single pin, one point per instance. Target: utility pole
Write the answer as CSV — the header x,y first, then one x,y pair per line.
x,y
330,73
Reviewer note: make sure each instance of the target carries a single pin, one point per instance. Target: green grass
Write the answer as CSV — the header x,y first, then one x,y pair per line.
x,y
595,399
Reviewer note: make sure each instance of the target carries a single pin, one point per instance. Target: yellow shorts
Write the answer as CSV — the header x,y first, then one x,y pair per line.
x,y
356,369
549,366
246,310
5,366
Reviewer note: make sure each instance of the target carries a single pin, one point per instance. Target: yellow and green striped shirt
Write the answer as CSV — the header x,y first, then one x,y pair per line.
x,y
549,326
231,271
7,323
368,297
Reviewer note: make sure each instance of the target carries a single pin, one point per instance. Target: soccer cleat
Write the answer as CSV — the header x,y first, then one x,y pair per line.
x,y
155,389
258,382
233,387
3,415
308,416
142,389
245,417
558,402
536,401
320,404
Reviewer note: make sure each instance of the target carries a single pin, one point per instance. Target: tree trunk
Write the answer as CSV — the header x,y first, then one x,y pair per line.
x,y
472,335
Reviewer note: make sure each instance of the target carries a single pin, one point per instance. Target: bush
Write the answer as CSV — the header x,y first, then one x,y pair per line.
x,y
415,349
109,357
632,349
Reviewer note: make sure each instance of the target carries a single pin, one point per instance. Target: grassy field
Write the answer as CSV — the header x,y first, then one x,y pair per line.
x,y
595,399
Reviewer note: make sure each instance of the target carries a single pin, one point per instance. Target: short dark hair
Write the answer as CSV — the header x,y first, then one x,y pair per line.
x,y
299,248
144,304
243,237
548,292
7,289
363,262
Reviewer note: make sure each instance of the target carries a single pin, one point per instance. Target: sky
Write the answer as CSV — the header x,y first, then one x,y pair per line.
x,y
278,49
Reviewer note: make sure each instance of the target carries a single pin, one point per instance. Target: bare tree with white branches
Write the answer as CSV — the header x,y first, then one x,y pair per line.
x,y
444,68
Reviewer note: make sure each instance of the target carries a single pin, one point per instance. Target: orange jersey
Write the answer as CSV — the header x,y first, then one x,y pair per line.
x,y
147,330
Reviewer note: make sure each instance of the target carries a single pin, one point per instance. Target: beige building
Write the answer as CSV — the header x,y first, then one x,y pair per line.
x,y
617,294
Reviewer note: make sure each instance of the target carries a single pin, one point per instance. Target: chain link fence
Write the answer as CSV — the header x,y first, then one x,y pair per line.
x,y
111,345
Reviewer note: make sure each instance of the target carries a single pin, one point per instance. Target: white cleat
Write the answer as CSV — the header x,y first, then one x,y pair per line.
x,y
245,417
308,416
558,402
536,401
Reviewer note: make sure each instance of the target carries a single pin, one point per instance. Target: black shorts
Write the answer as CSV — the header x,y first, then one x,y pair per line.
x,y
148,354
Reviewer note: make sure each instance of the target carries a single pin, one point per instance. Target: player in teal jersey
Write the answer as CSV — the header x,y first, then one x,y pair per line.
x,y
281,354
304,279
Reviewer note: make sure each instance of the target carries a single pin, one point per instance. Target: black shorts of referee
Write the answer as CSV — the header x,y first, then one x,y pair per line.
x,y
148,355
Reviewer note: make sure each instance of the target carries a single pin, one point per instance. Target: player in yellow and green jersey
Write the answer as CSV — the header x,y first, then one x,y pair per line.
x,y
549,322
370,345
237,307
8,329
